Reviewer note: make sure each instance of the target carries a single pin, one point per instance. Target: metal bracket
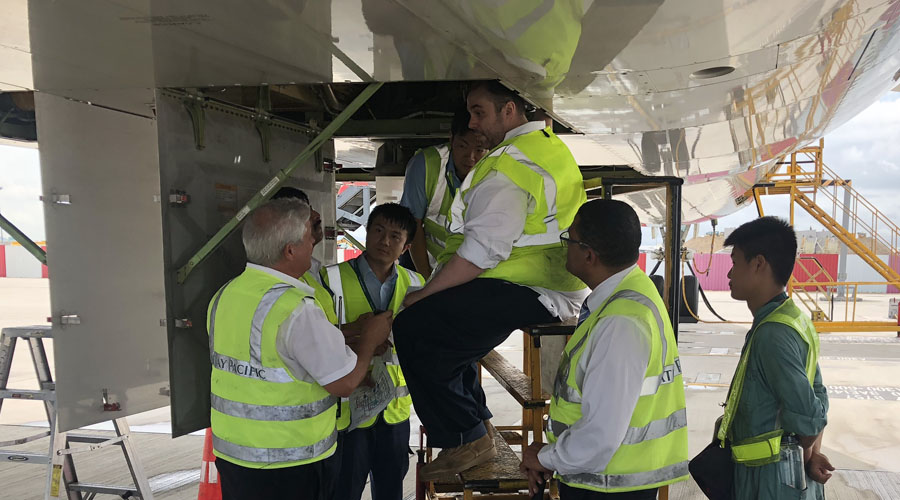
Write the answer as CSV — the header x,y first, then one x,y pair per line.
x,y
263,120
107,404
61,199
263,128
69,319
183,323
178,198
266,192
194,104
329,165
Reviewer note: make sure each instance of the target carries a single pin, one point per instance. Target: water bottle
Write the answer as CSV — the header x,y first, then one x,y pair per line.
x,y
791,469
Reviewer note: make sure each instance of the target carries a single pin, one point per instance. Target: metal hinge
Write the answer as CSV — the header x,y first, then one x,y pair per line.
x,y
69,319
178,197
59,199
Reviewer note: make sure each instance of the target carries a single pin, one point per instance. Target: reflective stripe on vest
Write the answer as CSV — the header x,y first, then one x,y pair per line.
x,y
253,368
765,448
343,281
627,482
650,384
261,415
439,199
274,455
656,437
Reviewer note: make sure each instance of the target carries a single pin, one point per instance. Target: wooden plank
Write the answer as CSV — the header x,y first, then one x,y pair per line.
x,y
502,470
512,379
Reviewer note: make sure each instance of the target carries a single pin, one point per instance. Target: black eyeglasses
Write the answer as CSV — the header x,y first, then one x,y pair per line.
x,y
565,240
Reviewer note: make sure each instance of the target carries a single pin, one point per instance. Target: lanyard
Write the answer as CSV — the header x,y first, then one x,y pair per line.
x,y
450,185
362,283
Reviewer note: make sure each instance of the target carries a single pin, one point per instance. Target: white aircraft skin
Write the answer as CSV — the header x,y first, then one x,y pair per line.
x,y
628,76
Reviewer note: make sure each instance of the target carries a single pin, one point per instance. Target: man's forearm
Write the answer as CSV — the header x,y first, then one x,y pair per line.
x,y
418,250
455,272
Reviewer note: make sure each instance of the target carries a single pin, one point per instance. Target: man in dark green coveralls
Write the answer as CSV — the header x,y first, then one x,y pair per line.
x,y
776,379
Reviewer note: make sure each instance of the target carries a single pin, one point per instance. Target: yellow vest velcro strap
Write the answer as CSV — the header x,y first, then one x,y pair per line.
x,y
656,428
249,369
274,455
271,413
651,384
758,450
614,481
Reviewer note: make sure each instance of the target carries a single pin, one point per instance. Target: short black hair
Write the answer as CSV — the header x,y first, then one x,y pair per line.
x,y
500,95
394,213
771,237
460,123
612,229
290,192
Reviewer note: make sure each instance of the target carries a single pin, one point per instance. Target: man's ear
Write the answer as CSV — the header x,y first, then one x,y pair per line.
x,y
758,263
406,247
287,253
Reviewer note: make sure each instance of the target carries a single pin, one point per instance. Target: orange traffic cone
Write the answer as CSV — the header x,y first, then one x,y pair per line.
x,y
209,475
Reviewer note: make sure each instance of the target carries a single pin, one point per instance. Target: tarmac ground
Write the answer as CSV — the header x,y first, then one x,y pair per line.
x,y
861,370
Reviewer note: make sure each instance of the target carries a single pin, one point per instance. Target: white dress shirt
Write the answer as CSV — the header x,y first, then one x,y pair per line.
x,y
315,265
496,209
610,373
309,345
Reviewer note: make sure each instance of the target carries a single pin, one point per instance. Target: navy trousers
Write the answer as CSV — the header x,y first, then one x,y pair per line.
x,y
569,493
380,452
440,338
313,481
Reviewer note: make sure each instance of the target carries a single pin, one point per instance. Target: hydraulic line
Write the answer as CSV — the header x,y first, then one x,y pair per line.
x,y
712,246
705,301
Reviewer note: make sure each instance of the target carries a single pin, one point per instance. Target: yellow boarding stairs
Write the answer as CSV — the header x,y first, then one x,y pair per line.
x,y
868,233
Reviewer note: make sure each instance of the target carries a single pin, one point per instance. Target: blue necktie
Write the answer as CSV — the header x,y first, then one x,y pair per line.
x,y
583,314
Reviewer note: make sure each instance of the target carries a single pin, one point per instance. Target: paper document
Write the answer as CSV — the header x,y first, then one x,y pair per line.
x,y
366,402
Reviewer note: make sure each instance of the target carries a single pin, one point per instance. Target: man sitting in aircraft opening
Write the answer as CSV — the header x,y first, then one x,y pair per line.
x,y
433,175
618,424
503,269
370,284
322,295
279,365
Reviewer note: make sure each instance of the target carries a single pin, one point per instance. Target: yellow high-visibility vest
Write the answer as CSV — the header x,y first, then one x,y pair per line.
x,y
654,451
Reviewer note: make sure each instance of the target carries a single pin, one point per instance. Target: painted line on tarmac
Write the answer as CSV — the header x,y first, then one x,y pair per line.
x,y
869,393
857,339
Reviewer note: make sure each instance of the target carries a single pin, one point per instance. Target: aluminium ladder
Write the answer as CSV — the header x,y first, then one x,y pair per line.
x,y
61,479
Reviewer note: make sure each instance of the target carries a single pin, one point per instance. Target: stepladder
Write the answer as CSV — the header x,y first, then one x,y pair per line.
x,y
61,480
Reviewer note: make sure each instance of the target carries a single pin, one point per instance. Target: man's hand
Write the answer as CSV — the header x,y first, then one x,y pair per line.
x,y
383,348
819,468
375,330
538,475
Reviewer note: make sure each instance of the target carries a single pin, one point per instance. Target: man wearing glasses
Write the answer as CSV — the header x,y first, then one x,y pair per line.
x,y
618,425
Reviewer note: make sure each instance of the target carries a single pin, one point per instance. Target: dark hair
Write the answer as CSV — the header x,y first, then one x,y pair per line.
x,y
500,95
771,237
612,229
460,123
395,214
290,192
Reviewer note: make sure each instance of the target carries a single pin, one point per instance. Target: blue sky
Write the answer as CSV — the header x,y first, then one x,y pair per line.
x,y
866,149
